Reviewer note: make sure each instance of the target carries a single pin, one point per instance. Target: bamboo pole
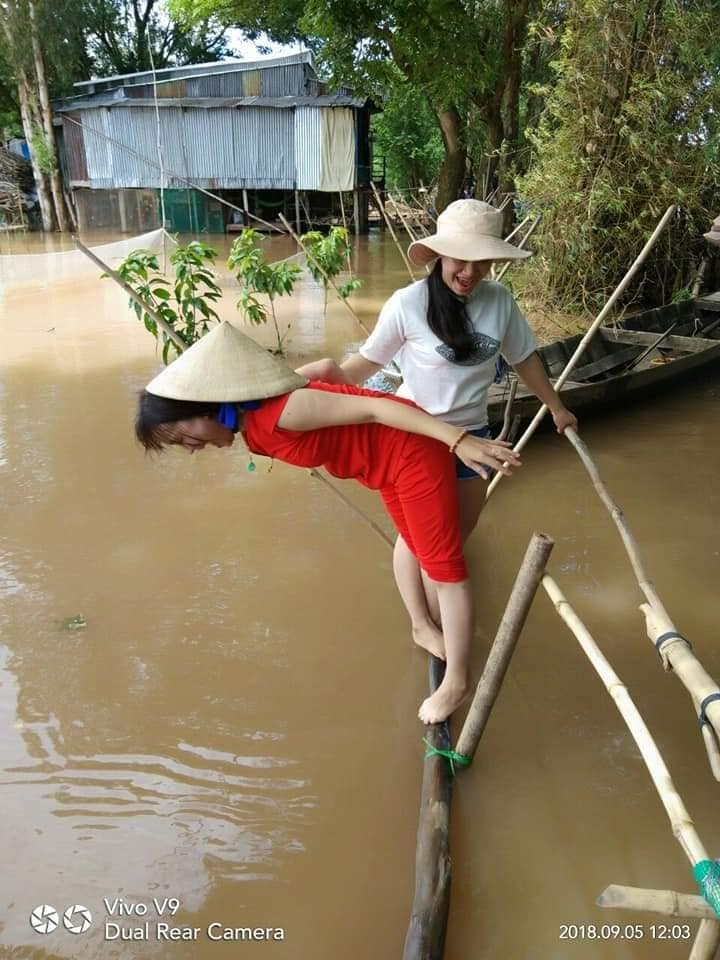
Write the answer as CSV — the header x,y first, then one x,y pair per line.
x,y
676,653
572,362
517,229
508,409
381,207
162,324
521,246
513,620
706,941
669,903
329,279
680,821
425,939
402,218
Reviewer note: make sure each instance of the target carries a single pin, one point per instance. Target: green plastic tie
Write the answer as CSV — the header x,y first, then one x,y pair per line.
x,y
453,758
707,877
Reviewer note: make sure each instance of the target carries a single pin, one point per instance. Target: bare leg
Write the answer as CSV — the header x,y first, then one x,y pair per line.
x,y
457,626
471,500
426,633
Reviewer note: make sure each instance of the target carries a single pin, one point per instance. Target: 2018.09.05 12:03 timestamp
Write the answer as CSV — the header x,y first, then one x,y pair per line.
x,y
625,931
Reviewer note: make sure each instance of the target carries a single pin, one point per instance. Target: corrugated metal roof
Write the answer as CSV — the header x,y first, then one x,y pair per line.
x,y
215,66
214,103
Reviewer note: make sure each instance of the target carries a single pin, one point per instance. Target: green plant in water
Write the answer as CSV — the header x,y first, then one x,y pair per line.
x,y
256,276
184,303
328,257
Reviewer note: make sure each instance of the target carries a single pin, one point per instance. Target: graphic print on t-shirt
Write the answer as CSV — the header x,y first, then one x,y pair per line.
x,y
483,348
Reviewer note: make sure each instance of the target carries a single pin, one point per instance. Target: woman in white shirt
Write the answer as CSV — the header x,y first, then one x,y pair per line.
x,y
446,333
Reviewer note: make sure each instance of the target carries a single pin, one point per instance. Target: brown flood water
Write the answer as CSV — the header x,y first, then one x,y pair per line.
x,y
235,726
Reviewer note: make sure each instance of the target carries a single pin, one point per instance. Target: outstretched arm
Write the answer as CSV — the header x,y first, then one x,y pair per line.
x,y
532,373
314,409
354,370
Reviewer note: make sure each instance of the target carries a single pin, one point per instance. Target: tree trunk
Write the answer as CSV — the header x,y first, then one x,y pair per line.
x,y
56,186
452,171
26,112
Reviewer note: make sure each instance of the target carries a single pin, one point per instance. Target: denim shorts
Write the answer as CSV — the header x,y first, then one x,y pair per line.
x,y
465,473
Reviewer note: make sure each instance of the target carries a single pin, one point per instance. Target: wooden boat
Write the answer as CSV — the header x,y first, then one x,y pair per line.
x,y
646,352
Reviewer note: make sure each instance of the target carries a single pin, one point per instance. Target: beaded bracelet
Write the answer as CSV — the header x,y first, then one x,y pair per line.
x,y
457,440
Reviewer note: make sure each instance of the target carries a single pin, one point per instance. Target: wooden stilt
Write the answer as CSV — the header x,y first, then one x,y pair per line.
x,y
298,223
246,208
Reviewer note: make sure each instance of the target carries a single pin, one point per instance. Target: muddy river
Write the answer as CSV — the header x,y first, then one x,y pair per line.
x,y
208,692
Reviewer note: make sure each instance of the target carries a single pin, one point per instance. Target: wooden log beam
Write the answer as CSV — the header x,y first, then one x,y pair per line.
x,y
513,620
425,938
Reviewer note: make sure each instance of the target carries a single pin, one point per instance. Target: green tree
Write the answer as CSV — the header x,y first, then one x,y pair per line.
x,y
256,276
185,302
327,257
630,126
121,34
407,136
465,59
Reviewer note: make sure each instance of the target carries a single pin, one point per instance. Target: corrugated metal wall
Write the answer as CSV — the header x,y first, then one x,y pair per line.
x,y
308,147
220,149
75,156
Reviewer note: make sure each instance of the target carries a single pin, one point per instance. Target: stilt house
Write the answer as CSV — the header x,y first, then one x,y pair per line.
x,y
266,135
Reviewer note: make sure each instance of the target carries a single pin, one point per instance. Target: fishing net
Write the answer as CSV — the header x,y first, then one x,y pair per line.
x,y
707,876
41,268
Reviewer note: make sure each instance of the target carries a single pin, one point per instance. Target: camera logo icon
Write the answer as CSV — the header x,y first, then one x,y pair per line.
x,y
44,918
77,919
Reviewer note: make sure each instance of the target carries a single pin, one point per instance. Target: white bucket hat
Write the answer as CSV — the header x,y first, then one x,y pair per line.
x,y
225,366
466,230
714,235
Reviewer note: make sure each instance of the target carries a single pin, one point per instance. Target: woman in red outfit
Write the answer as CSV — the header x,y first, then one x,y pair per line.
x,y
226,383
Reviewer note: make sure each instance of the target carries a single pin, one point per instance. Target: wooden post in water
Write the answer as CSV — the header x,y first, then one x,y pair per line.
x,y
425,938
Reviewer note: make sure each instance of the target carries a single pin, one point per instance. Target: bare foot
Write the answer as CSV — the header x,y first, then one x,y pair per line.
x,y
430,638
443,702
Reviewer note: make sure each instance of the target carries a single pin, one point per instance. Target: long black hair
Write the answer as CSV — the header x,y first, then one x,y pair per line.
x,y
154,411
447,317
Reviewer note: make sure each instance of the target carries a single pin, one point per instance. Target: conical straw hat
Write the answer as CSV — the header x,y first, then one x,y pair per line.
x,y
225,366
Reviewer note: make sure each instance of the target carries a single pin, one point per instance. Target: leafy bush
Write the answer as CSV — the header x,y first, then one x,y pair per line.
x,y
256,276
183,303
630,126
327,258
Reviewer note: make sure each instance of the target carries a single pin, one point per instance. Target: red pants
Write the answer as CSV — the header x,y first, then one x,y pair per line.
x,y
423,505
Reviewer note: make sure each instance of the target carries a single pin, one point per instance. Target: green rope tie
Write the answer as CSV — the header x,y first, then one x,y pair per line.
x,y
707,877
453,758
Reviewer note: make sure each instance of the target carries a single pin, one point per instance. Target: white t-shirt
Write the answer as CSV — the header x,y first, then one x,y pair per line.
x,y
455,392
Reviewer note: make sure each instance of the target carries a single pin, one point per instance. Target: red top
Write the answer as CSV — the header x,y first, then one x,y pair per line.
x,y
367,452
